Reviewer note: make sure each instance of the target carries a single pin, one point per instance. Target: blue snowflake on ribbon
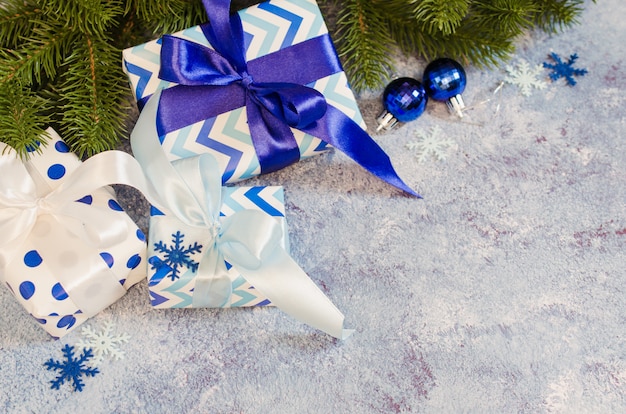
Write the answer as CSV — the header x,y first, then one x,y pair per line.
x,y
71,369
564,69
177,255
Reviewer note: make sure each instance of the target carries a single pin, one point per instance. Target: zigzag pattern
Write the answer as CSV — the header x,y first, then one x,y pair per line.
x,y
179,294
266,199
173,294
248,296
337,92
147,57
157,300
182,289
138,76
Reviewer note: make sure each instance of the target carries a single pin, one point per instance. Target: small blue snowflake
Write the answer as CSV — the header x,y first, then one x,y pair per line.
x,y
72,369
564,70
176,255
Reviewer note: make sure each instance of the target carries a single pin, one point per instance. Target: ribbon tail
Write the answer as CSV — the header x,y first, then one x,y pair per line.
x,y
273,141
288,287
347,136
106,168
213,287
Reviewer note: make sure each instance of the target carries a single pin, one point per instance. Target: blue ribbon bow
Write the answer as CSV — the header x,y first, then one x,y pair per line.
x,y
224,78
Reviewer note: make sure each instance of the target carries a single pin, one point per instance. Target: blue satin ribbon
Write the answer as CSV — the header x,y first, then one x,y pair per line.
x,y
272,90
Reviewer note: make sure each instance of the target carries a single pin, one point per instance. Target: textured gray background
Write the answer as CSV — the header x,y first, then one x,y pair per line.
x,y
502,291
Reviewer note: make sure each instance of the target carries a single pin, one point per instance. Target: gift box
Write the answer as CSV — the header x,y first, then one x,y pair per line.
x,y
219,247
284,33
63,261
175,250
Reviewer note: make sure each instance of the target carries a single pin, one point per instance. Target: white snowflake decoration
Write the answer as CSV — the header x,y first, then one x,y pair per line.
x,y
103,343
525,77
433,144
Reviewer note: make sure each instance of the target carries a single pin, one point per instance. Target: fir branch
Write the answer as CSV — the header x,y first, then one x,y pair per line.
x,y
71,63
40,57
90,95
365,49
21,121
555,15
473,44
508,18
85,16
16,22
441,17
480,32
168,16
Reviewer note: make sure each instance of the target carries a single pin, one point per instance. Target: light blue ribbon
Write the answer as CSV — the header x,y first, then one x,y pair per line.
x,y
190,190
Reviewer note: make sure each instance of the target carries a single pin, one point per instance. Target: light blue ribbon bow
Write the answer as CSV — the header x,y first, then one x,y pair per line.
x,y
190,190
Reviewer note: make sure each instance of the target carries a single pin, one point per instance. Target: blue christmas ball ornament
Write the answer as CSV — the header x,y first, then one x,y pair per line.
x,y
445,80
404,100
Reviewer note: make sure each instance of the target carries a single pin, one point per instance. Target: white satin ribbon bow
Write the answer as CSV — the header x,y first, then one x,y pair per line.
x,y
21,206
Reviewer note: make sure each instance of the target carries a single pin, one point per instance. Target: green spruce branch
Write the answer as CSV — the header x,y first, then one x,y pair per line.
x,y
60,60
60,66
479,32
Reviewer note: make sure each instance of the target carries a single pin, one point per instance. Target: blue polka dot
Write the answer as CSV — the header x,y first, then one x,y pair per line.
x,y
56,171
27,289
61,147
122,282
58,292
32,148
141,236
66,321
113,205
133,262
87,200
108,258
41,321
32,259
155,211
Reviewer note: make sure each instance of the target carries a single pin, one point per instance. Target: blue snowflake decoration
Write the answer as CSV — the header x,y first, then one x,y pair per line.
x,y
72,369
564,69
177,255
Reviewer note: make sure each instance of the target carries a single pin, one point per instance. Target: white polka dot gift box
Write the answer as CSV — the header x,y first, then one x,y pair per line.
x,y
64,254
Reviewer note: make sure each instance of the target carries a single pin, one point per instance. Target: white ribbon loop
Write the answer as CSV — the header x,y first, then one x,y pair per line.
x,y
20,207
18,203
249,237
191,190
94,286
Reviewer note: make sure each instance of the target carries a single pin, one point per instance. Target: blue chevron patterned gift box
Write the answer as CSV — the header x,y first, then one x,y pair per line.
x,y
268,27
175,250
